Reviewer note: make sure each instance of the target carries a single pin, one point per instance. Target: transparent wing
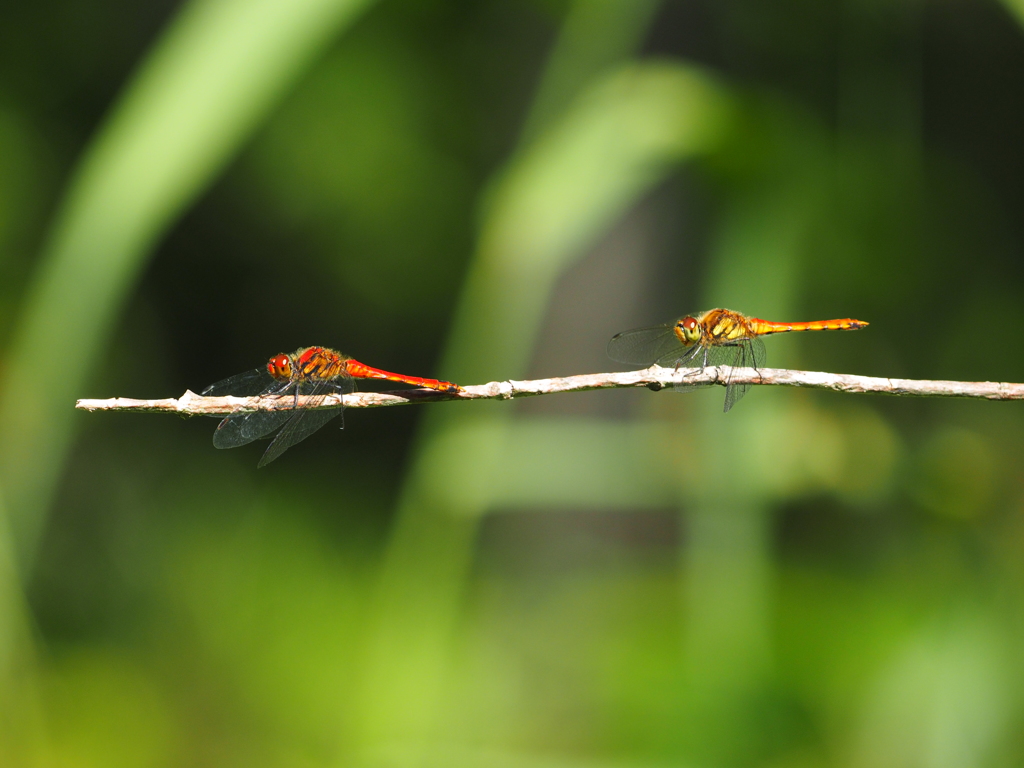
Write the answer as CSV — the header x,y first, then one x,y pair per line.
x,y
258,381
305,421
242,428
751,354
302,425
699,357
646,346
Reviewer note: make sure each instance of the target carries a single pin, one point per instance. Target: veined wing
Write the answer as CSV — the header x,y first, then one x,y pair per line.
x,y
749,353
305,421
258,381
646,346
745,353
659,344
241,428
696,357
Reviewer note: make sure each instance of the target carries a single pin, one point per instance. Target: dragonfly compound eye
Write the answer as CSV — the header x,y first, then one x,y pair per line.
x,y
280,367
690,328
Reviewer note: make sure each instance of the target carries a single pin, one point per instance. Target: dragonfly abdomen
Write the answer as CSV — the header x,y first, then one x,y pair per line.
x,y
764,327
362,371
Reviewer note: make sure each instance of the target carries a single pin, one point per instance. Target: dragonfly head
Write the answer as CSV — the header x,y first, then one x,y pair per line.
x,y
688,330
280,367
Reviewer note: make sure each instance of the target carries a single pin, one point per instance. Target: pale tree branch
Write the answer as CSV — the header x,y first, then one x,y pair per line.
x,y
653,378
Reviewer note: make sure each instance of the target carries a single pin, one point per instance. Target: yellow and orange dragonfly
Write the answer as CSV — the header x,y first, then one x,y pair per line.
x,y
716,337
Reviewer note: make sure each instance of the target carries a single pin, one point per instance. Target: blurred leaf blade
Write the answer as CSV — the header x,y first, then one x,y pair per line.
x,y
809,580
594,37
622,136
221,65
1016,7
20,716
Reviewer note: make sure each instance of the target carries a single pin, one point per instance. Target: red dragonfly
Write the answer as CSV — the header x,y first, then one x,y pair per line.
x,y
715,337
312,371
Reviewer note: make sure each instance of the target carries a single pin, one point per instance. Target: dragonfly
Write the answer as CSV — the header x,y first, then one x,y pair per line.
x,y
315,372
716,337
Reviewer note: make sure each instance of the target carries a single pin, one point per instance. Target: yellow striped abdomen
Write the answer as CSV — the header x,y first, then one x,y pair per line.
x,y
764,327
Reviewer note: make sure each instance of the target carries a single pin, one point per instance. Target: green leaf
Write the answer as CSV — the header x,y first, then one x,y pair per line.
x,y
206,86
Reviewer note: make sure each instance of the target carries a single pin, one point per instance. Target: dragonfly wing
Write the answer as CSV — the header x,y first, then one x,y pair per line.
x,y
684,357
258,381
242,428
302,425
750,353
694,358
306,421
645,346
758,355
702,357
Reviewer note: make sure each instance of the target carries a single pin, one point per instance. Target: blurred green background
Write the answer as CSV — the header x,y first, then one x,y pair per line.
x,y
490,190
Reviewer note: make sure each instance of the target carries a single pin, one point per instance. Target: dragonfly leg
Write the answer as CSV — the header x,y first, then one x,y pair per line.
x,y
282,393
693,370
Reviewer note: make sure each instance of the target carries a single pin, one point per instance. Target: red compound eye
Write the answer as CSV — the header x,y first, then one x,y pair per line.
x,y
689,323
280,367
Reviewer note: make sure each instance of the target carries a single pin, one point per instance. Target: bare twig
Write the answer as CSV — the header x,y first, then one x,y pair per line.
x,y
654,378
